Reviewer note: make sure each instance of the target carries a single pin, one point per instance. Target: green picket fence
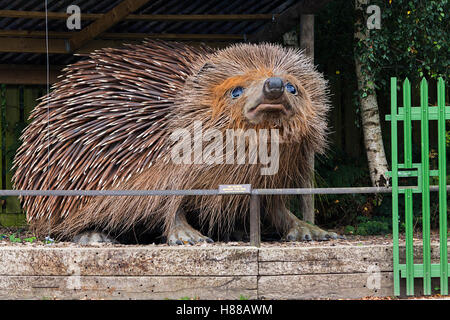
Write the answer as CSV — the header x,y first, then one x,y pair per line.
x,y
16,103
420,171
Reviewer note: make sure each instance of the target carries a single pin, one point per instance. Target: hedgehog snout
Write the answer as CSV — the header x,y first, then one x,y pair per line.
x,y
267,101
273,88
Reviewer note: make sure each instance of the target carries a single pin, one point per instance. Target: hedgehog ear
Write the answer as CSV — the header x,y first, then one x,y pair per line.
x,y
206,67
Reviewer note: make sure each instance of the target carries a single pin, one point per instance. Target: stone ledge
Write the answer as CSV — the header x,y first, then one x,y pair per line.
x,y
207,272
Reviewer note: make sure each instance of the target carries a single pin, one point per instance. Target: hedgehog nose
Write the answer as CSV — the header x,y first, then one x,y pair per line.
x,y
273,88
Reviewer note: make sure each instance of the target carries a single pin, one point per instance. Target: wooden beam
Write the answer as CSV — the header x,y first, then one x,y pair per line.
x,y
41,15
274,30
34,34
109,19
106,35
57,46
307,43
28,74
200,17
149,17
172,36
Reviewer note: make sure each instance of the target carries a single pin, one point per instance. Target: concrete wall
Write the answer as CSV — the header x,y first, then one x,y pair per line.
x,y
204,272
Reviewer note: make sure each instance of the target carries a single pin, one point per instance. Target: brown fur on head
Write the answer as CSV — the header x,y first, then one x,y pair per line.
x,y
249,66
201,92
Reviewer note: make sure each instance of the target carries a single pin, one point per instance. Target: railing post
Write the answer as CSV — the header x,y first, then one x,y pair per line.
x,y
408,193
425,188
255,221
442,189
394,165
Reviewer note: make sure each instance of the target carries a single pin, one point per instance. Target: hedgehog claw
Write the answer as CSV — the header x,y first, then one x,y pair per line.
x,y
304,231
182,233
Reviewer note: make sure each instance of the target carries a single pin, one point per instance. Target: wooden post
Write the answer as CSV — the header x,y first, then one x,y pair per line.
x,y
307,43
13,210
255,221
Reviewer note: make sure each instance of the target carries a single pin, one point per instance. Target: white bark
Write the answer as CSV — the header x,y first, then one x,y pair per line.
x,y
370,117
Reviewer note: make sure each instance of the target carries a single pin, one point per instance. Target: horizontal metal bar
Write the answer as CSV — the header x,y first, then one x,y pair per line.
x,y
433,113
334,190
108,192
322,191
418,270
198,192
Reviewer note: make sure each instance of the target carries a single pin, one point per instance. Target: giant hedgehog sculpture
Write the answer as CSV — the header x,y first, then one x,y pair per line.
x,y
108,125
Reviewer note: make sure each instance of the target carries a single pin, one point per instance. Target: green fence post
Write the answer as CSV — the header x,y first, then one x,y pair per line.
x,y
425,188
408,192
394,160
442,189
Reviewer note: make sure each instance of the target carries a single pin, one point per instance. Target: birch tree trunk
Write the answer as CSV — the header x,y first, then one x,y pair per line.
x,y
370,117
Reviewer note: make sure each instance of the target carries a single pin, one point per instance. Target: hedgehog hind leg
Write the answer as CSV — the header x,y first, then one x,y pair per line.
x,y
181,232
298,230
93,237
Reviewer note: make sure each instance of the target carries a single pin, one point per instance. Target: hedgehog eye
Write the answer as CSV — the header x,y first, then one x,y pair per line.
x,y
237,92
291,88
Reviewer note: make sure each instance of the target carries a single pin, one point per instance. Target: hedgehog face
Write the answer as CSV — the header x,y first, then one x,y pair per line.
x,y
258,87
267,100
261,98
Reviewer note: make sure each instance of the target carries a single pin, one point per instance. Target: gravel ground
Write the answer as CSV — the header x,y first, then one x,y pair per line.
x,y
354,240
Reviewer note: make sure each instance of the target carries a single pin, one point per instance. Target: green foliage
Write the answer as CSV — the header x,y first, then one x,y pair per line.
x,y
447,138
412,41
366,226
14,238
30,239
349,230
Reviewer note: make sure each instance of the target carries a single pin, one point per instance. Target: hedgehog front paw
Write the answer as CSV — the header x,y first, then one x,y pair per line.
x,y
182,233
303,231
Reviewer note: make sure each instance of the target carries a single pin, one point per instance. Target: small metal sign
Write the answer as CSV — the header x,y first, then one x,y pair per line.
x,y
234,188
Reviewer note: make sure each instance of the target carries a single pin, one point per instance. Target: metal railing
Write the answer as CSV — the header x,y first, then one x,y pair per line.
x,y
420,171
255,230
